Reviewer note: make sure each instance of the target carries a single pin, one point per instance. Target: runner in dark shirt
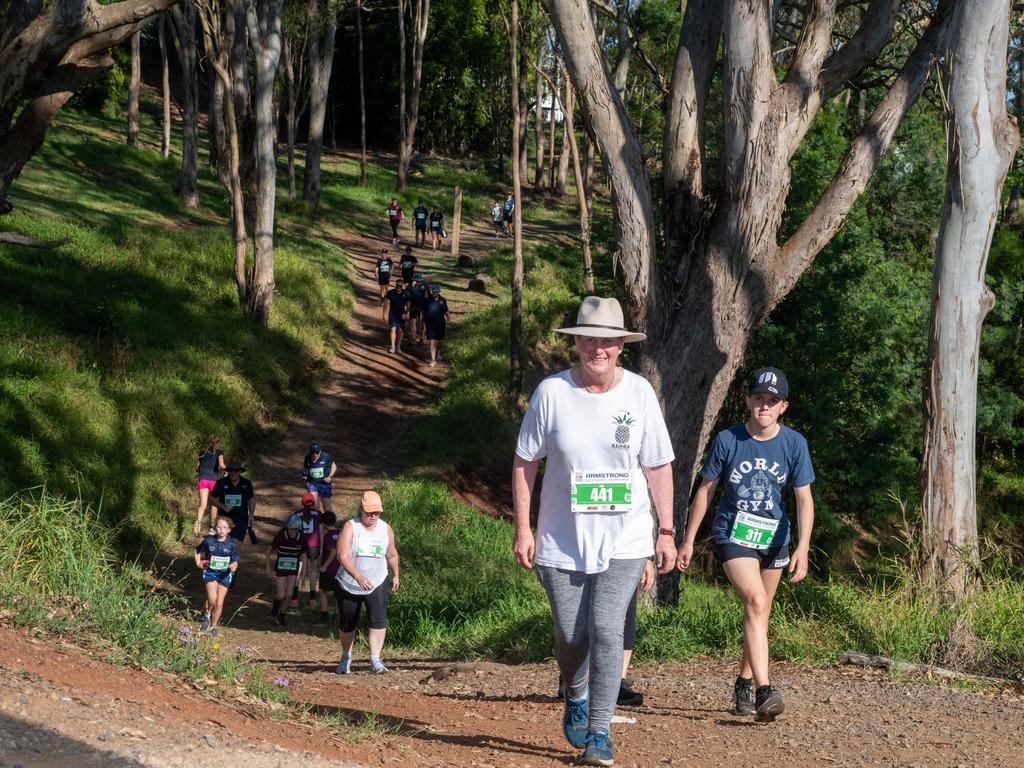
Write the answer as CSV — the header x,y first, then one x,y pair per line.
x,y
235,496
419,217
318,470
284,559
408,264
209,466
394,218
417,298
328,563
382,270
436,227
396,303
435,317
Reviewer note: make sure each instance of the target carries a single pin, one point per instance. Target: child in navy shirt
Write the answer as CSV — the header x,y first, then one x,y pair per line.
x,y
217,555
756,462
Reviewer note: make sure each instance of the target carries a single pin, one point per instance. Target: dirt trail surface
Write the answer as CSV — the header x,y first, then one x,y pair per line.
x,y
59,706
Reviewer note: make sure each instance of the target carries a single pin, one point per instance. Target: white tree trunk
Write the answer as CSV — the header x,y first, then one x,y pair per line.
x,y
263,19
981,141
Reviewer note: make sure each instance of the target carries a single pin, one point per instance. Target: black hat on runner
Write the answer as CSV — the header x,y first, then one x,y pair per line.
x,y
314,447
236,466
770,380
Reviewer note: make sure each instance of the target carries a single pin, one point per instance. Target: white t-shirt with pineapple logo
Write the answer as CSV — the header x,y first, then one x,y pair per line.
x,y
594,503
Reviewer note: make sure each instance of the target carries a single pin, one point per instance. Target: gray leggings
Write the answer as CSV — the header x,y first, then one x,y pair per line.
x,y
589,611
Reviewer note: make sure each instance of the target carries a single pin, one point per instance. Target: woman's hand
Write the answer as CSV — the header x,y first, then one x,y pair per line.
x,y
647,578
523,547
395,581
364,582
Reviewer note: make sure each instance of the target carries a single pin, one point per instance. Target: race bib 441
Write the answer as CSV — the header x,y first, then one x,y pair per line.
x,y
606,490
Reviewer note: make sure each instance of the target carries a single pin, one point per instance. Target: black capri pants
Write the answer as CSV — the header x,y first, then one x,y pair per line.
x,y
350,606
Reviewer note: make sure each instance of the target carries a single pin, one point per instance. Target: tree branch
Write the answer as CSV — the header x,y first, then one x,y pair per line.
x,y
864,153
813,46
16,239
860,50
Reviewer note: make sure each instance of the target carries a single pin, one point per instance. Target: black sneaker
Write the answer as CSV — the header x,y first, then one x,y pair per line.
x,y
627,696
281,619
743,696
768,704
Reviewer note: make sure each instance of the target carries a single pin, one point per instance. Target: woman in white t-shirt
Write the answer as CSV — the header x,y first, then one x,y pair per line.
x,y
366,549
601,431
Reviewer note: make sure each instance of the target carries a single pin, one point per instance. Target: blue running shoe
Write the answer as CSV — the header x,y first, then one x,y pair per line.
x,y
574,721
597,750
345,665
204,622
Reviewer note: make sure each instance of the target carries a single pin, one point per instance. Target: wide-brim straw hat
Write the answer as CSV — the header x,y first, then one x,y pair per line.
x,y
603,319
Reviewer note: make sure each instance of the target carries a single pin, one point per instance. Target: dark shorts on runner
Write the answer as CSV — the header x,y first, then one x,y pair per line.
x,y
221,577
435,331
384,278
414,312
329,582
376,602
395,321
323,489
771,559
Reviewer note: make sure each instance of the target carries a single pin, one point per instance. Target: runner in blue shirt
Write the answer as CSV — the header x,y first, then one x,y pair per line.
x,y
435,317
393,311
419,217
318,470
756,462
507,209
217,556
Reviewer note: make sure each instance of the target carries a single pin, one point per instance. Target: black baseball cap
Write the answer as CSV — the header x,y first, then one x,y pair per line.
x,y
770,380
314,447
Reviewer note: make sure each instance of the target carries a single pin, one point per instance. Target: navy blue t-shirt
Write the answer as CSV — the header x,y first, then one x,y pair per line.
x,y
509,205
209,462
408,265
237,497
754,475
434,311
417,295
210,548
319,469
397,301
420,215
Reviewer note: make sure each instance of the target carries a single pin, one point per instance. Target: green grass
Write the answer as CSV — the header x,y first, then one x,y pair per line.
x,y
120,351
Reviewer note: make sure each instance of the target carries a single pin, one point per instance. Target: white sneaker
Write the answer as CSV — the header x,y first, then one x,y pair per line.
x,y
378,668
392,350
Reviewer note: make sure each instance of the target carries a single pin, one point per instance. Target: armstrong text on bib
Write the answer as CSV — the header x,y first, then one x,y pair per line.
x,y
752,531
604,490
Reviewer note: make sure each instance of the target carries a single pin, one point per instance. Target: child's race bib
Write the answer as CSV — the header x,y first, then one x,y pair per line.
x,y
606,490
287,563
219,562
752,531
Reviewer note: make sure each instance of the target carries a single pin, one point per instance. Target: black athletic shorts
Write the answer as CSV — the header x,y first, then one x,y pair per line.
x,y
384,278
435,331
328,583
376,603
771,559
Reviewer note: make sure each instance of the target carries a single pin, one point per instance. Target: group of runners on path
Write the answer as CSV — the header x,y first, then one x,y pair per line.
x,y
423,219
601,434
357,562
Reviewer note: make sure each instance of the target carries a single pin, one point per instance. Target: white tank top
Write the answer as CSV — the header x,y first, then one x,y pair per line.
x,y
368,555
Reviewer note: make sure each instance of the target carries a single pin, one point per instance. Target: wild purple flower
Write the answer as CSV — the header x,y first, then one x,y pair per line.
x,y
281,682
185,630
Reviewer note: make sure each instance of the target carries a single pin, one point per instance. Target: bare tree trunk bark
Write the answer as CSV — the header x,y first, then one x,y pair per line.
x,y
217,130
321,60
133,91
263,19
292,109
362,97
218,22
981,141
184,27
402,63
555,72
582,201
165,88
420,20
524,115
568,105
516,319
538,119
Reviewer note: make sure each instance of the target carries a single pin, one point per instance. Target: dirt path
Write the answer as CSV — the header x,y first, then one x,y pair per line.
x,y
59,707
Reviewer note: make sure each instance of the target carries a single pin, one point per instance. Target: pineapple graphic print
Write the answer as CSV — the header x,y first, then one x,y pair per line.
x,y
622,424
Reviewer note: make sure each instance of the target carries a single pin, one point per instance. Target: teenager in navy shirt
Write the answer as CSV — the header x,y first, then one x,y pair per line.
x,y
284,559
756,462
419,217
318,470
217,556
